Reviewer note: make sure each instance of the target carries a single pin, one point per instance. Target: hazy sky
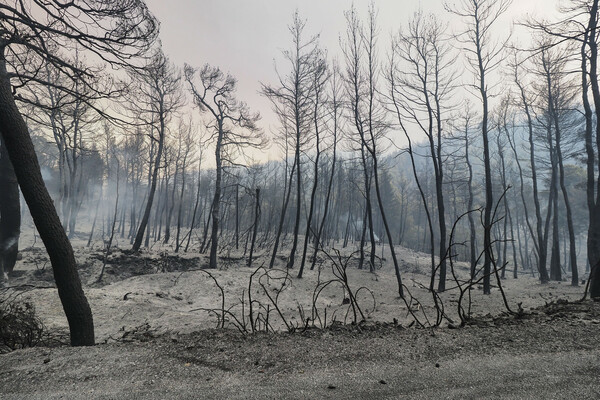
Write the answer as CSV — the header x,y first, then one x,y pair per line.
x,y
244,36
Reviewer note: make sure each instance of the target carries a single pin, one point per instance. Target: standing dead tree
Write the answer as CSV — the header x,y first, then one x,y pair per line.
x,y
321,77
558,99
356,91
233,129
526,103
427,85
293,102
64,107
335,105
577,30
483,56
158,97
368,113
255,225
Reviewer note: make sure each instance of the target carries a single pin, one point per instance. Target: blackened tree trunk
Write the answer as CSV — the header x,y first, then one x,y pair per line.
x,y
485,56
284,206
489,198
255,227
10,214
139,237
160,95
513,243
555,272
563,187
27,170
594,206
292,257
237,216
193,223
216,204
368,176
233,125
500,147
589,146
180,210
321,76
311,207
472,232
335,110
539,241
363,233
170,204
396,104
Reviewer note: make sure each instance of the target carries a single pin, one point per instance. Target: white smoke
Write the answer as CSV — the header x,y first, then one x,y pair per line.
x,y
46,174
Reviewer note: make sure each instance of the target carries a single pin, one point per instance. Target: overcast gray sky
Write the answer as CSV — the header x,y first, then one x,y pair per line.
x,y
245,36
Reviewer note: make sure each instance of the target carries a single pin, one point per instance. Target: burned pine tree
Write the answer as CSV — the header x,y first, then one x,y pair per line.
x,y
293,101
483,56
335,110
368,116
526,104
356,91
427,85
321,76
233,129
159,95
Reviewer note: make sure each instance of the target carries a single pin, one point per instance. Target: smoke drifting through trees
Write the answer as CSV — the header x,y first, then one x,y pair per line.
x,y
514,121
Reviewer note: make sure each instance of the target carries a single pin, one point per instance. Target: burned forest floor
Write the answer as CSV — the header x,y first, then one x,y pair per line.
x,y
158,319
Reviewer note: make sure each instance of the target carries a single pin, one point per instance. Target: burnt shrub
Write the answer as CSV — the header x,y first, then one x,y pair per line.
x,y
20,326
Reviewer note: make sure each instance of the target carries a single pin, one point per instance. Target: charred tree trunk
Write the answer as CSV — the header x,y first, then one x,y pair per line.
x,y
283,212
563,187
27,170
214,237
292,257
593,228
368,175
539,241
472,232
255,227
144,222
180,210
328,196
10,214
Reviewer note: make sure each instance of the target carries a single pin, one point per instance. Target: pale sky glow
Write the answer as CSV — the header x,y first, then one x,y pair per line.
x,y
245,36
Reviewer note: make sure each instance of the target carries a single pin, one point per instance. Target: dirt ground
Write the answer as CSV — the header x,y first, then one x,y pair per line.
x,y
550,354
156,338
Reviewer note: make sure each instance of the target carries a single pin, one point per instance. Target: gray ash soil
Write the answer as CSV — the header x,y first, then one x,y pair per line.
x,y
550,353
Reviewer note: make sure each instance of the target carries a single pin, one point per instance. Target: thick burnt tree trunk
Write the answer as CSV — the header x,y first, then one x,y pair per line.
x,y
593,195
27,169
10,214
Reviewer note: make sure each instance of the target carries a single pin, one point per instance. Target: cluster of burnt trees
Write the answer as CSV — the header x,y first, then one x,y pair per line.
x,y
377,149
